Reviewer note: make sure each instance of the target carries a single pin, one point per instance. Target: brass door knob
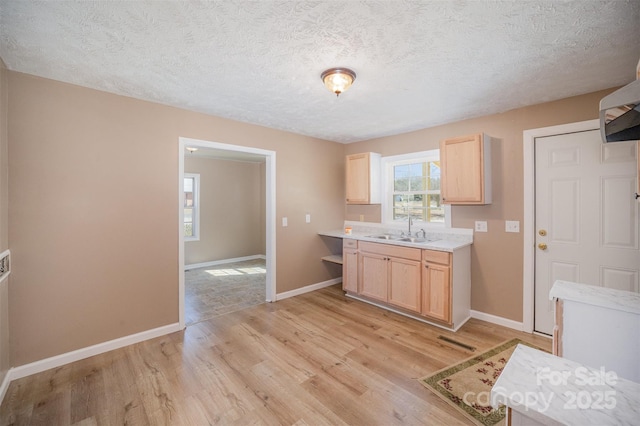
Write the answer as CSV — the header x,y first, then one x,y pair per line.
x,y
542,246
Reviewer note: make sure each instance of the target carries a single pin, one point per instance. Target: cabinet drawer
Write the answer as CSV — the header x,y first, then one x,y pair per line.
x,y
434,256
347,243
391,250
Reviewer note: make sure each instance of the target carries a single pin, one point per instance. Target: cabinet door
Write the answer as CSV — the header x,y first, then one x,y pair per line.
x,y
463,170
404,283
436,291
357,179
350,270
373,276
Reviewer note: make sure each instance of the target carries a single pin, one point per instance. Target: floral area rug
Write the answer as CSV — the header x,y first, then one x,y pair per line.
x,y
467,385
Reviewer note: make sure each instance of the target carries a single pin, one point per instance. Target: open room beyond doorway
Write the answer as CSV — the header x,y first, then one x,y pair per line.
x,y
219,289
226,154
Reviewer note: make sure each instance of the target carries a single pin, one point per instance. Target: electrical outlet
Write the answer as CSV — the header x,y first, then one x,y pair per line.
x,y
307,218
481,226
285,222
361,218
512,226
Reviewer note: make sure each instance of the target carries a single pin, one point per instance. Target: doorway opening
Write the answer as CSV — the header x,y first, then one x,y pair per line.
x,y
241,265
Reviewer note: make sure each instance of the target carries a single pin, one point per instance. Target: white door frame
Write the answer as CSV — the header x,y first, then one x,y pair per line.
x,y
528,140
270,249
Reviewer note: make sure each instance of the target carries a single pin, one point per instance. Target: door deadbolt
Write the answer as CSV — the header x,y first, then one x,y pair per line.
x,y
542,232
542,246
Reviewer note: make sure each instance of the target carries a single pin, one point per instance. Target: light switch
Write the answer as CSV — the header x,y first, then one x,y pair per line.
x,y
481,226
512,226
307,218
284,222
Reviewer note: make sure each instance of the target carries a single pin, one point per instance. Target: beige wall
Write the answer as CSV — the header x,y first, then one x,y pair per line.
x,y
496,256
232,213
4,214
93,210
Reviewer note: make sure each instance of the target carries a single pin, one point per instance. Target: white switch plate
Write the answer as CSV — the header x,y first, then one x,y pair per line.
x,y
481,226
307,218
512,226
284,222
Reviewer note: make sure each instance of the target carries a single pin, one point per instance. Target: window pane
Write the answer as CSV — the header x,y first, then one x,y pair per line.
x,y
417,181
188,199
434,175
413,204
401,178
435,209
188,215
188,184
188,229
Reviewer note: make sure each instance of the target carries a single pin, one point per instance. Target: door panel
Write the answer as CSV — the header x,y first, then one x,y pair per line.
x,y
404,285
587,212
374,276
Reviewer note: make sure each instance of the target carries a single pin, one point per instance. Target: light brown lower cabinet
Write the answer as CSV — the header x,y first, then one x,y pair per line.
x,y
436,285
350,265
404,283
374,276
419,281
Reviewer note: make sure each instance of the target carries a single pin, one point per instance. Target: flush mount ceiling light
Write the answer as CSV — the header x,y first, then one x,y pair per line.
x,y
338,80
191,149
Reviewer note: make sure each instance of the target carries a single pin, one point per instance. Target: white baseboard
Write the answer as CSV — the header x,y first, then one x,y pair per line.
x,y
66,358
5,384
494,319
308,288
223,261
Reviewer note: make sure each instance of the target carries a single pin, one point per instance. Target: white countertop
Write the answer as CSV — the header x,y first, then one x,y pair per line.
x,y
438,245
620,300
565,391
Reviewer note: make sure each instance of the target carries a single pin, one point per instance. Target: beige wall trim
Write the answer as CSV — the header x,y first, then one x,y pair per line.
x,y
307,289
494,319
223,261
529,232
63,359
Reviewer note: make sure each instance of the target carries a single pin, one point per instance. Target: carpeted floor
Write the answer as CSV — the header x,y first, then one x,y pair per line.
x,y
221,289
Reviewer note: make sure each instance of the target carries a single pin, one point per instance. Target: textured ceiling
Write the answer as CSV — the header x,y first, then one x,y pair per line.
x,y
418,63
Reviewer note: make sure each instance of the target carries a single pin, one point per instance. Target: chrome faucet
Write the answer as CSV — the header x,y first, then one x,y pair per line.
x,y
410,222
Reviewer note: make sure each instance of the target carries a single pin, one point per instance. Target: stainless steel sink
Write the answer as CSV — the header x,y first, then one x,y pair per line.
x,y
413,240
384,237
399,238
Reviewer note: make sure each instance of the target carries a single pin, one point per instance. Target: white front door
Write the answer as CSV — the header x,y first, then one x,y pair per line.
x,y
586,216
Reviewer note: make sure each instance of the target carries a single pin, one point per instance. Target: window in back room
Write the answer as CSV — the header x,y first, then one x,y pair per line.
x,y
191,207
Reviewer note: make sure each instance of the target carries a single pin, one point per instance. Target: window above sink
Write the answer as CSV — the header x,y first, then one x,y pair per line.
x,y
411,186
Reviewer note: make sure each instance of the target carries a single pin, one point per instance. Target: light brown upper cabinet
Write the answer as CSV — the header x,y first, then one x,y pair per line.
x,y
466,170
363,178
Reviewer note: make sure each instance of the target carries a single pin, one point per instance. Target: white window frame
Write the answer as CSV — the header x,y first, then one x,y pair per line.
x,y
196,206
387,164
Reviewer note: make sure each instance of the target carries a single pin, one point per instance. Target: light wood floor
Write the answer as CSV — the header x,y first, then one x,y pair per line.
x,y
318,358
